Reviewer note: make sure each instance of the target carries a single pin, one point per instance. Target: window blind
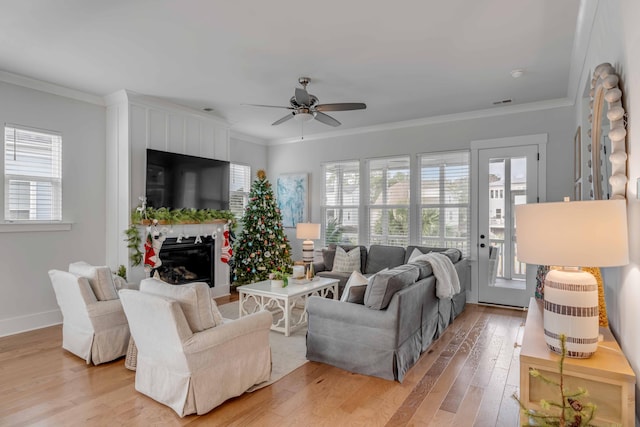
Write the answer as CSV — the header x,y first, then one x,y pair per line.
x,y
239,187
341,202
444,200
33,175
389,198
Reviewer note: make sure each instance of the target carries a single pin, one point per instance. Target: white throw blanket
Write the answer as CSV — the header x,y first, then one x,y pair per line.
x,y
447,282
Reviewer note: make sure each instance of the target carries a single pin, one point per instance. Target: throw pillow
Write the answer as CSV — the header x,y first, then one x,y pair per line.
x,y
385,285
119,282
346,262
194,298
416,253
356,287
356,280
99,279
217,316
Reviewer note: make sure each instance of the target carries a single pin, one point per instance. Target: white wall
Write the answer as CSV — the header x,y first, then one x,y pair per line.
x,y
28,300
308,155
615,38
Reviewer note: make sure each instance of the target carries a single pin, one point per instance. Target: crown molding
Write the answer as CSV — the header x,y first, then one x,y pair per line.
x,y
164,104
247,138
42,86
447,118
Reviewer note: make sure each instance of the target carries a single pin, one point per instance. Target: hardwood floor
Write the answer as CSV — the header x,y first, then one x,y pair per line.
x,y
466,378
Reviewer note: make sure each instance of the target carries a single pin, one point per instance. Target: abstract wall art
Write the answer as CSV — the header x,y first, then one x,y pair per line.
x,y
293,199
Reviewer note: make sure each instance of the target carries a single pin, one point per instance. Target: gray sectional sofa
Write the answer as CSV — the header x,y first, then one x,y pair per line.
x,y
383,342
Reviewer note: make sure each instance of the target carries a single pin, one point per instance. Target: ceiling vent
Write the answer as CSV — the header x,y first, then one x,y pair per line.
x,y
504,101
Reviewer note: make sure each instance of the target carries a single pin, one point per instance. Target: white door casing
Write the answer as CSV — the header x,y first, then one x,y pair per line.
x,y
534,148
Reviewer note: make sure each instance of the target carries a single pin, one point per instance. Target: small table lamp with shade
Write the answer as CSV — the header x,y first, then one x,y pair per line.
x,y
309,232
589,233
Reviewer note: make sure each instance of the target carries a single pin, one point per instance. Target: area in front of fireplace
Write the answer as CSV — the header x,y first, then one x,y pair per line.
x,y
185,261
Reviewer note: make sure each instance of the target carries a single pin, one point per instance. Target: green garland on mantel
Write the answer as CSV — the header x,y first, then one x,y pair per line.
x,y
164,216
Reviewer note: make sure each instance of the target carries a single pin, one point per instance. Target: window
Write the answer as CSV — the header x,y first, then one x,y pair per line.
x,y
341,202
389,198
32,175
444,200
239,187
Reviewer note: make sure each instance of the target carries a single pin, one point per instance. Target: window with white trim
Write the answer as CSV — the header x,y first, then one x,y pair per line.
x,y
389,200
444,200
239,187
32,174
341,202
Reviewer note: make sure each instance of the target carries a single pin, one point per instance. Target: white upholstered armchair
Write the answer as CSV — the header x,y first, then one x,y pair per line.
x,y
189,358
97,331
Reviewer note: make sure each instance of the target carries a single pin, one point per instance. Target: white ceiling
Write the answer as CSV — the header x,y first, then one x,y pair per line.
x,y
405,59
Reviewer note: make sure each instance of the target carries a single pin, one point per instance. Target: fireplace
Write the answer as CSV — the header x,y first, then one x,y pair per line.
x,y
187,261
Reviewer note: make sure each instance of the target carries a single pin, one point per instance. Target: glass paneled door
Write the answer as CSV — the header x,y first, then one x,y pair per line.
x,y
507,177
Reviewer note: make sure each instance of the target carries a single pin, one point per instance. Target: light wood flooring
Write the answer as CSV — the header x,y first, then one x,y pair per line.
x,y
466,378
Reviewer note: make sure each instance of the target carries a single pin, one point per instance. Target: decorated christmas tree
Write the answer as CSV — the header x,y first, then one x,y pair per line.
x,y
262,246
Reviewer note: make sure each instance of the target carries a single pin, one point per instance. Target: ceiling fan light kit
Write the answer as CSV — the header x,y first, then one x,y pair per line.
x,y
305,107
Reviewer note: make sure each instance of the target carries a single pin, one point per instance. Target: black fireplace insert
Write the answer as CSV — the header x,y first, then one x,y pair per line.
x,y
187,261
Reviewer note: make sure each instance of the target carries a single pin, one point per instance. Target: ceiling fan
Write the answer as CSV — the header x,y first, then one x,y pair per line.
x,y
304,107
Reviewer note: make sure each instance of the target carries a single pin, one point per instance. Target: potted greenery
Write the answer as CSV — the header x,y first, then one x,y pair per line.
x,y
279,279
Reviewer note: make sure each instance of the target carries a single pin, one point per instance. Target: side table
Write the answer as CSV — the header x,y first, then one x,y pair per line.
x,y
606,375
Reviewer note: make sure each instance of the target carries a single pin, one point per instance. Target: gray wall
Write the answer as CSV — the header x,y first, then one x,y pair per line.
x,y
248,153
27,298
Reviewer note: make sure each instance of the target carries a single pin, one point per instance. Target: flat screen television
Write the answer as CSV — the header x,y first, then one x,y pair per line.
x,y
179,181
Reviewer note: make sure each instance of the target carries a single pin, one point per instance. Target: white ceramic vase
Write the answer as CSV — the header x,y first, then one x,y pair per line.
x,y
277,283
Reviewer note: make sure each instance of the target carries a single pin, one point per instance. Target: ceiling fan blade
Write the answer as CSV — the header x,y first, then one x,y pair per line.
x,y
268,106
302,97
326,119
282,120
343,106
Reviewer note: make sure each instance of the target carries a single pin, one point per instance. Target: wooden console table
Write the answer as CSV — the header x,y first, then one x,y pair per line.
x,y
606,375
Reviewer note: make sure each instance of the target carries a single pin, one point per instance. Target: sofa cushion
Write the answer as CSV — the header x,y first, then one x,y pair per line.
x,y
383,256
346,262
99,278
424,268
454,254
385,284
194,298
328,255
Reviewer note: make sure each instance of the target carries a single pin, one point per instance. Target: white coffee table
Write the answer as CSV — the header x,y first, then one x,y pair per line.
x,y
283,300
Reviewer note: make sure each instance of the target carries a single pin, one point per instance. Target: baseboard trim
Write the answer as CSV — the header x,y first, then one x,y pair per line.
x,y
17,325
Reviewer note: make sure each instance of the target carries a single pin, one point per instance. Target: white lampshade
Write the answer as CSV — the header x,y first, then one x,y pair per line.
x,y
572,234
590,233
307,230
